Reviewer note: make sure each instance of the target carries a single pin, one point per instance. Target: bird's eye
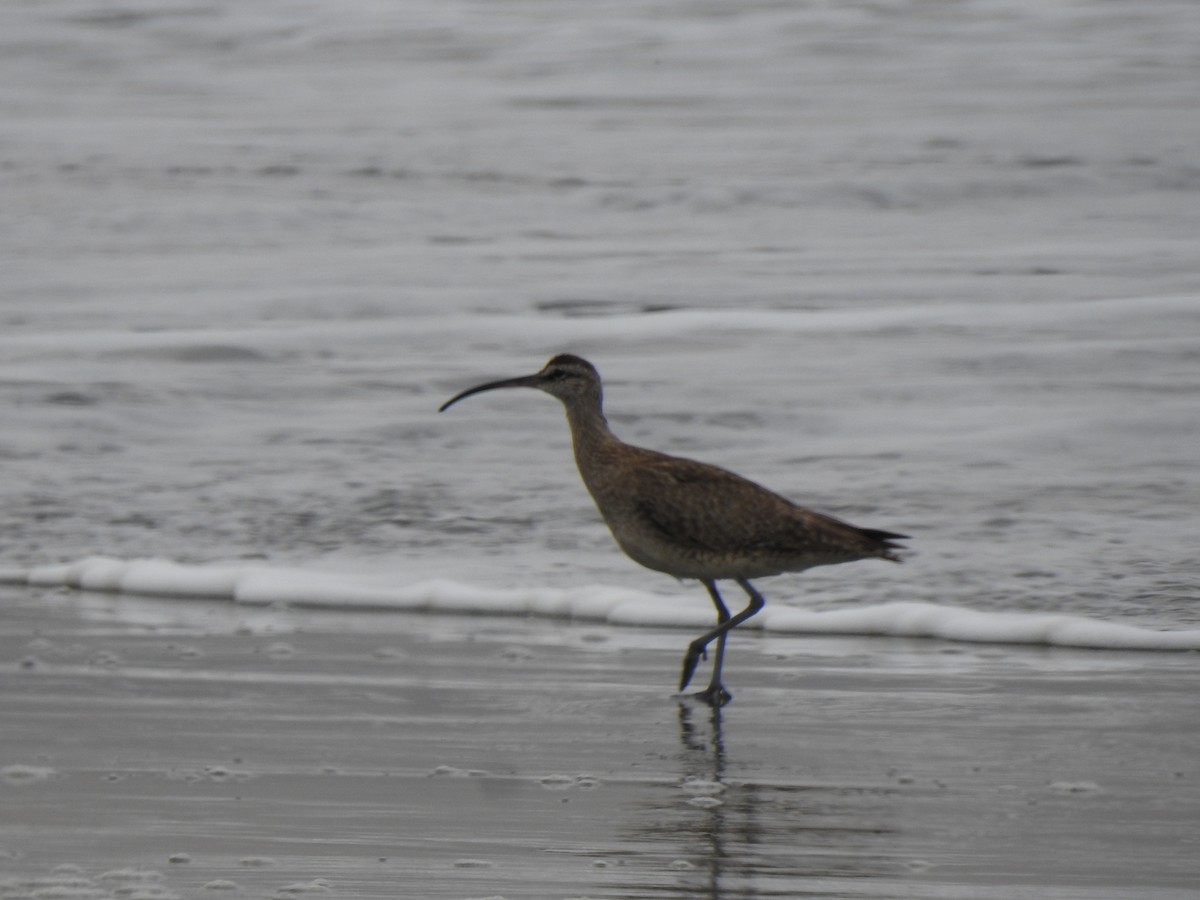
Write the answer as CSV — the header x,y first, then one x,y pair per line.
x,y
558,375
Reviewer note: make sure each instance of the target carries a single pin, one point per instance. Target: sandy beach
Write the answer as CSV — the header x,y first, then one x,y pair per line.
x,y
161,749
272,626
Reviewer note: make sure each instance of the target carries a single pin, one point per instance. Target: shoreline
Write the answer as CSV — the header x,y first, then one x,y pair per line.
x,y
273,753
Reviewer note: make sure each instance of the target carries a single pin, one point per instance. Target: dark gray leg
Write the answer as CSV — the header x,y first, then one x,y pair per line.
x,y
715,694
698,649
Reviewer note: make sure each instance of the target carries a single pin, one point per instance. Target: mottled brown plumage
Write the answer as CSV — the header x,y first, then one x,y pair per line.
x,y
689,519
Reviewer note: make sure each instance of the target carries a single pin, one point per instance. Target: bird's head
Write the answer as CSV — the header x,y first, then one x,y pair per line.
x,y
569,378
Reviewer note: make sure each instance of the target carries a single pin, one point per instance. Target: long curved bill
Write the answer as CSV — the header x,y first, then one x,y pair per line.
x,y
524,381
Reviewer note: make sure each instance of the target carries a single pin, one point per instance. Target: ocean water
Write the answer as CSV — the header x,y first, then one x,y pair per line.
x,y
930,268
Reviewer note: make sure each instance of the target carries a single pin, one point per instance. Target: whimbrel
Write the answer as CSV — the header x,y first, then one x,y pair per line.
x,y
690,519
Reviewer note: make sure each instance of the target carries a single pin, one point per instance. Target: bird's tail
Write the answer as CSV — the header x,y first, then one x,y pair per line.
x,y
885,542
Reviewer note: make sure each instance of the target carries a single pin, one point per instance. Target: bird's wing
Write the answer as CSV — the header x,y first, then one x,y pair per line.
x,y
713,509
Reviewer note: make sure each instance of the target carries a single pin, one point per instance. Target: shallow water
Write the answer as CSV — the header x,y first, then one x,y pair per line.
x,y
257,753
855,253
931,268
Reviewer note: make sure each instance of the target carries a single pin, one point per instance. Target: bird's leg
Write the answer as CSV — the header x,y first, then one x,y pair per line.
x,y
697,649
715,694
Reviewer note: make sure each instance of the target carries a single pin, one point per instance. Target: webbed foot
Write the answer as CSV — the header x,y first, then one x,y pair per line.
x,y
714,695
695,652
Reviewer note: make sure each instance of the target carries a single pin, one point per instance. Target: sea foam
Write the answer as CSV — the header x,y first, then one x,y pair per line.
x,y
263,585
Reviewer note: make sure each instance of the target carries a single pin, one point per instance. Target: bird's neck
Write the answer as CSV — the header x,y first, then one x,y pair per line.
x,y
590,436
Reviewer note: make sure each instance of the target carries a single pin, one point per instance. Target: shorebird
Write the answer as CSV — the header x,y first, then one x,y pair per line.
x,y
690,519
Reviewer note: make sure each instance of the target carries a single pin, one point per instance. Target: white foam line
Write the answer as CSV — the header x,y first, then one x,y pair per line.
x,y
929,620
261,585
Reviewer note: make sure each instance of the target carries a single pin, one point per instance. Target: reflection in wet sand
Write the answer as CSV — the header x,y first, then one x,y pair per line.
x,y
729,838
460,757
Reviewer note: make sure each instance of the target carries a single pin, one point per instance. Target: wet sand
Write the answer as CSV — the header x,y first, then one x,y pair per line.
x,y
188,749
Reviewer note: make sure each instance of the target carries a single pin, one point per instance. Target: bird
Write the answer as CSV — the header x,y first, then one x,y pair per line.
x,y
689,519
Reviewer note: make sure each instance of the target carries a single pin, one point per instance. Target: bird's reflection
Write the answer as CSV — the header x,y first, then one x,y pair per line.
x,y
710,828
725,836
703,757
702,745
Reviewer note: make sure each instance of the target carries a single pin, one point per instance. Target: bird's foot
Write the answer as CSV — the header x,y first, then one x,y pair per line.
x,y
695,652
714,695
